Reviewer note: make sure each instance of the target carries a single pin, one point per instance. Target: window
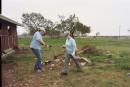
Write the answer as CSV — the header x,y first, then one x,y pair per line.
x,y
9,30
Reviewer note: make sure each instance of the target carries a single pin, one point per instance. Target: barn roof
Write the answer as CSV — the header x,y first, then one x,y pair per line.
x,y
9,20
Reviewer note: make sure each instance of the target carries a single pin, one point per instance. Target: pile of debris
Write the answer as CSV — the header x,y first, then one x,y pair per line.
x,y
7,52
88,49
59,61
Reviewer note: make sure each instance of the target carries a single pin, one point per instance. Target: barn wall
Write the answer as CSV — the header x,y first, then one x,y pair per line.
x,y
8,35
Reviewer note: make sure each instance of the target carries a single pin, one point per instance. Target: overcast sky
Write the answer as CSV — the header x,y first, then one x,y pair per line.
x,y
104,16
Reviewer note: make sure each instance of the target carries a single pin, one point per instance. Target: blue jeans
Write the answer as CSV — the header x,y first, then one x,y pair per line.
x,y
67,60
37,54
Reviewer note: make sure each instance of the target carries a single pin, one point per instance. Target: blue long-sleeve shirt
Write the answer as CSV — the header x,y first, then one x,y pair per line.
x,y
35,41
70,45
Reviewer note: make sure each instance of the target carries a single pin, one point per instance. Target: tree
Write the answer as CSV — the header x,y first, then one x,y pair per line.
x,y
53,32
82,28
72,24
97,34
34,21
128,30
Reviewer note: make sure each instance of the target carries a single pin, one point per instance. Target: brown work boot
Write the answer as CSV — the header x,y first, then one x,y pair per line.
x,y
64,73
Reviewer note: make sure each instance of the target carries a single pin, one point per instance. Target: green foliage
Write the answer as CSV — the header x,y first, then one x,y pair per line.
x,y
123,61
72,24
34,21
83,41
53,33
21,58
97,58
99,74
24,41
82,28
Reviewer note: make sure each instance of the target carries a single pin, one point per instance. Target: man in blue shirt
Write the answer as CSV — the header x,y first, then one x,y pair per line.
x,y
35,45
70,46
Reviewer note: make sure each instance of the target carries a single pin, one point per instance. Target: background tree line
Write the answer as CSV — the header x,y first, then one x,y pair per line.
x,y
33,21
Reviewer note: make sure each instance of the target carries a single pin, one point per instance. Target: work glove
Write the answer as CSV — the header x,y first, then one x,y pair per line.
x,y
63,46
48,46
73,54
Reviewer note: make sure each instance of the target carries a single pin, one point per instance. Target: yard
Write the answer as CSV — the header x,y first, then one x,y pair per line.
x,y
104,71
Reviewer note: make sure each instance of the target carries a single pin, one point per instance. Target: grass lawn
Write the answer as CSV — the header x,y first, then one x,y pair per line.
x,y
99,74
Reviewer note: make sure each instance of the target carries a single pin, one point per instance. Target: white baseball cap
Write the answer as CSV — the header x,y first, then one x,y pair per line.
x,y
66,33
42,29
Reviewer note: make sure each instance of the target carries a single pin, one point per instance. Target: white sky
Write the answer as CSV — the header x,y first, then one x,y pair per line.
x,y
103,16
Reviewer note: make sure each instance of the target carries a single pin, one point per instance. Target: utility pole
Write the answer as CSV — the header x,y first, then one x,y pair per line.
x,y
119,30
129,30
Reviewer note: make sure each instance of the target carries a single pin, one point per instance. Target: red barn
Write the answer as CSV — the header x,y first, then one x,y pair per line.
x,y
8,35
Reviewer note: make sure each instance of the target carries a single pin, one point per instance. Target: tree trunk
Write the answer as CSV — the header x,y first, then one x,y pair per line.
x,y
72,33
32,32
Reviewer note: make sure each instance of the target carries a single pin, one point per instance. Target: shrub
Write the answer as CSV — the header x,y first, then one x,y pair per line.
x,y
88,49
91,50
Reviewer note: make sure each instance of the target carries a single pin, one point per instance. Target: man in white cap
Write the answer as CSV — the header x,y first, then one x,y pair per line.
x,y
70,46
35,45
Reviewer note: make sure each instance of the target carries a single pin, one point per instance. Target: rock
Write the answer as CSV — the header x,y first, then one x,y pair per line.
x,y
83,59
57,60
83,63
128,74
109,54
52,65
48,62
